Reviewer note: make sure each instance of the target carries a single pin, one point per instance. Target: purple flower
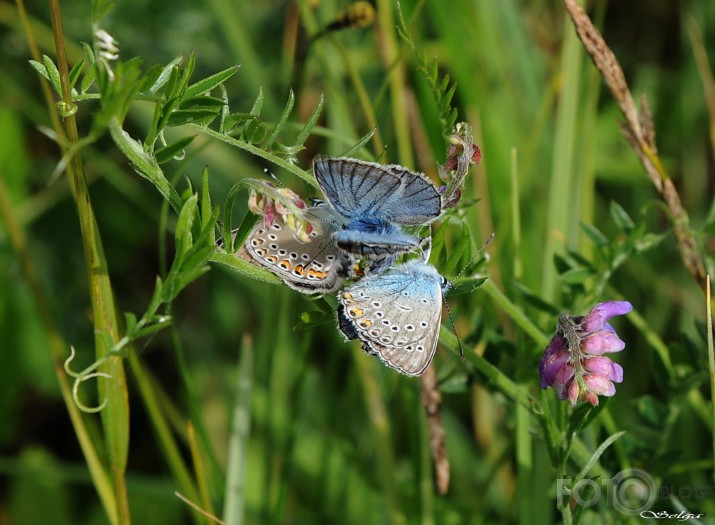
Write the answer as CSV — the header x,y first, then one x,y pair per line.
x,y
573,362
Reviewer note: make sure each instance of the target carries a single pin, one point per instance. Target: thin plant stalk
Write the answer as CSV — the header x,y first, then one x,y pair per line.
x,y
115,416
57,348
390,53
711,356
639,131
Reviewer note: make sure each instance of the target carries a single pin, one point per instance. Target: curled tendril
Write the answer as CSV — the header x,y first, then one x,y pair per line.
x,y
81,377
67,110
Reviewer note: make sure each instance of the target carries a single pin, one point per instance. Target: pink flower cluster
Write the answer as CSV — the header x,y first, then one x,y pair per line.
x,y
273,202
573,362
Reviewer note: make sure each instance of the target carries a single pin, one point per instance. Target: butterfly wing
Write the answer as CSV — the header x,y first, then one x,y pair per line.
x,y
356,188
396,314
312,267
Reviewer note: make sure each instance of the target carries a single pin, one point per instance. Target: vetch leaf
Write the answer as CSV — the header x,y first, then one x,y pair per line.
x,y
53,74
238,265
41,69
595,235
88,79
359,144
648,241
258,104
535,300
144,165
76,72
577,276
254,131
206,211
281,121
183,227
201,102
202,117
170,151
621,217
312,121
208,83
163,78
465,286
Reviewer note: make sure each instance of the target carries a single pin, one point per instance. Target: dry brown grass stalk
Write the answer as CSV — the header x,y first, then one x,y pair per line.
x,y
432,400
639,131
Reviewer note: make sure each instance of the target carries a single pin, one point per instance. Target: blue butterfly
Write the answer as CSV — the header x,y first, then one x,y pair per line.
x,y
396,315
375,199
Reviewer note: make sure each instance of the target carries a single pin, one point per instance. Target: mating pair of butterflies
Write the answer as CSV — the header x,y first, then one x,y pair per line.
x,y
395,312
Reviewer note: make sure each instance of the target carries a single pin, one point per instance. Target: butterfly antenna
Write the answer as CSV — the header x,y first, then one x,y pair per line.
x,y
454,328
486,243
273,176
449,284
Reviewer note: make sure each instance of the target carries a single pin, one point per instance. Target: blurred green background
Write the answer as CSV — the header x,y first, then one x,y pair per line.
x,y
335,436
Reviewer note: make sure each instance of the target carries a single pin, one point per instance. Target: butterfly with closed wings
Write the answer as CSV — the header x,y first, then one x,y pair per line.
x,y
396,315
314,267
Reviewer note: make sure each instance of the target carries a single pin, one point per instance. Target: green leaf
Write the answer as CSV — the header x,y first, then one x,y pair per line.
x,y
455,384
238,235
183,227
164,76
156,296
40,68
233,119
258,104
621,254
183,80
130,320
238,265
465,286
535,300
150,77
359,144
170,151
209,83
166,111
53,74
598,453
577,276
89,77
186,278
76,72
171,92
582,416
581,260
649,240
144,165
312,121
157,324
201,102
206,212
228,215
562,264
621,217
595,235
281,121
254,131
202,117
88,53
